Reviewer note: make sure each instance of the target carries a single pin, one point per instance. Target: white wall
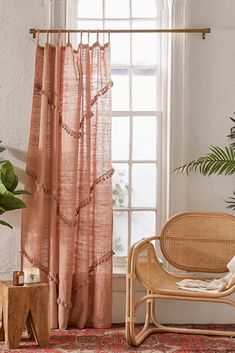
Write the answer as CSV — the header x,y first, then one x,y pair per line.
x,y
210,99
16,83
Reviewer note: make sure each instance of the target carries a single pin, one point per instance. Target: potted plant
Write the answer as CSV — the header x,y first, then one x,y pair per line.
x,y
220,161
8,184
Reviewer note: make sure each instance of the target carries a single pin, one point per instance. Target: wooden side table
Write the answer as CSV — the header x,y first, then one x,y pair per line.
x,y
24,305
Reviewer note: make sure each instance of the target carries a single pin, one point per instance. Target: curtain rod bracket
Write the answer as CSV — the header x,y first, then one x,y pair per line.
x,y
33,31
207,30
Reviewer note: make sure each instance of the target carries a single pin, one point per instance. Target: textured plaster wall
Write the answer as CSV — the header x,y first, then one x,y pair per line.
x,y
209,101
210,98
17,51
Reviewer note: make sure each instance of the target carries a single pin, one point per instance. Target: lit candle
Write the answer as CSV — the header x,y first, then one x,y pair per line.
x,y
31,275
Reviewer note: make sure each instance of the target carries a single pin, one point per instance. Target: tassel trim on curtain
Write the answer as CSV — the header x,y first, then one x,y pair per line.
x,y
106,257
82,204
71,132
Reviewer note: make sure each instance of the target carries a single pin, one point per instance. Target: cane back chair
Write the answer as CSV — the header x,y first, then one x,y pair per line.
x,y
201,242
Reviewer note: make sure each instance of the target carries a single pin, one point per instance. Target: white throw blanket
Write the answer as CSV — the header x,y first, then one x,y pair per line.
x,y
211,286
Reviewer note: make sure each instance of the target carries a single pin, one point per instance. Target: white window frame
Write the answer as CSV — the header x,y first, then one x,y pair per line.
x,y
120,261
172,87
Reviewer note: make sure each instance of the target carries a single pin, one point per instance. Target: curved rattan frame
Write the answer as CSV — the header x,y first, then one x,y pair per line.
x,y
204,216
157,291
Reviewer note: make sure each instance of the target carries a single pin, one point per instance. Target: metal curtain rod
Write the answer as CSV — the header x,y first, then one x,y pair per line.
x,y
154,30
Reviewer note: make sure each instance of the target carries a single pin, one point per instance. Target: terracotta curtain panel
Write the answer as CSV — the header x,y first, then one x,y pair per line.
x,y
67,228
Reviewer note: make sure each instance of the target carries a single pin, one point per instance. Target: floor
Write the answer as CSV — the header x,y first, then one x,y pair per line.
x,y
113,340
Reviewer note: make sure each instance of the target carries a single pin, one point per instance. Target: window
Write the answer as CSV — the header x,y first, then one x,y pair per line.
x,y
136,114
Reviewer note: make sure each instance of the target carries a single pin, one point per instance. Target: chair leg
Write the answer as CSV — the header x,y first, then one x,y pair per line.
x,y
153,313
130,318
162,328
136,339
131,307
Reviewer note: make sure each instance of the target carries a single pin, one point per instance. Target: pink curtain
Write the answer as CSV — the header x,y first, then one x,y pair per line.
x,y
67,228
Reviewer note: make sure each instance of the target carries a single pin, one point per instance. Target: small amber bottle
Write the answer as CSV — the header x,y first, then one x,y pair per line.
x,y
18,278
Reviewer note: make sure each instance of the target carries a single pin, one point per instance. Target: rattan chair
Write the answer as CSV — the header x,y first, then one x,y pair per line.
x,y
194,242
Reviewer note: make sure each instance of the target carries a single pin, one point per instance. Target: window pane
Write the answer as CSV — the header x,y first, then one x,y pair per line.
x,y
120,49
120,185
144,89
142,225
148,125
117,8
146,8
90,8
144,49
120,90
93,24
143,185
120,233
117,24
145,45
120,43
145,23
120,138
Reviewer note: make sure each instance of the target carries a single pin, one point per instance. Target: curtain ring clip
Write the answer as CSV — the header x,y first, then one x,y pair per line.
x,y
47,37
59,35
88,36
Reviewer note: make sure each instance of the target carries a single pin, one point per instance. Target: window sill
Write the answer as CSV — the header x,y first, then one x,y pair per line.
x,y
119,272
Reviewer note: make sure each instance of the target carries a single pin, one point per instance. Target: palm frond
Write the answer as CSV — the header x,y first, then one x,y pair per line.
x,y
231,202
218,161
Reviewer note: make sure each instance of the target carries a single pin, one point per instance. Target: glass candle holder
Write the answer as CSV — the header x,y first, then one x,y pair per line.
x,y
31,275
18,278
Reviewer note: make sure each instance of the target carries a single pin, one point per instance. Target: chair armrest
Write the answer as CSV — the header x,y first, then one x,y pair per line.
x,y
145,240
134,249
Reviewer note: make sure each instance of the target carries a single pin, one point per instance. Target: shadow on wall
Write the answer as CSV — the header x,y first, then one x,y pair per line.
x,y
20,155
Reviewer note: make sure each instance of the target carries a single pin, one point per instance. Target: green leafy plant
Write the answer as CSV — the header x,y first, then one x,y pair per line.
x,y
220,161
120,189
8,184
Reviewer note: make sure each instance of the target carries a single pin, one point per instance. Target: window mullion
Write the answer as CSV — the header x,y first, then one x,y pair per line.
x,y
125,209
125,113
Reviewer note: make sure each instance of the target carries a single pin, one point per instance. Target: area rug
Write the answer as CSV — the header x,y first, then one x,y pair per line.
x,y
113,341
